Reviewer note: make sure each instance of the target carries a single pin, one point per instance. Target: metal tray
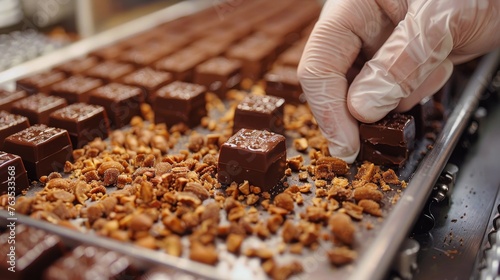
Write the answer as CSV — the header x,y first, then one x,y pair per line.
x,y
376,247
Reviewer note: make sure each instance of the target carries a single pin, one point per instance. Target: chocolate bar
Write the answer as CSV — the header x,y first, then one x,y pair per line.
x,y
110,52
75,88
121,102
40,82
109,71
257,156
38,107
43,149
388,141
264,112
180,102
78,65
13,176
282,81
84,122
149,80
10,124
88,262
147,53
8,98
182,63
218,74
34,251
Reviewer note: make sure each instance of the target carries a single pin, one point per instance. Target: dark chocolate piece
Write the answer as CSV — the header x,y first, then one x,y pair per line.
x,y
218,74
263,112
78,65
13,176
110,52
34,251
40,82
283,82
291,57
180,102
182,63
88,262
84,122
43,149
10,124
38,107
256,54
145,54
8,98
388,141
75,88
149,80
257,156
109,71
121,102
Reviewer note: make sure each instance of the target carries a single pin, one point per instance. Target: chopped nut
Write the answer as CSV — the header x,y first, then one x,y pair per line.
x,y
371,207
353,210
290,232
174,224
366,192
233,242
110,164
244,188
204,254
296,248
366,172
303,176
342,227
172,245
197,189
295,163
274,222
140,222
390,177
335,165
300,144
341,256
285,201
110,176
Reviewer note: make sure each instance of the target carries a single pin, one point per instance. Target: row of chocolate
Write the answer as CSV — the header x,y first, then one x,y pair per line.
x,y
41,255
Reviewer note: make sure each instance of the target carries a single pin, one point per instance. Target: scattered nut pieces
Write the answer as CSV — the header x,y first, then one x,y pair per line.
x,y
341,256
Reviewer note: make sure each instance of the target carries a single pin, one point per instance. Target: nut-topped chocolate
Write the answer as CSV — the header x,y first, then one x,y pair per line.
x,y
43,149
218,74
182,63
121,102
38,107
75,88
180,102
149,80
109,71
257,156
84,122
10,124
264,112
40,82
78,65
8,98
11,166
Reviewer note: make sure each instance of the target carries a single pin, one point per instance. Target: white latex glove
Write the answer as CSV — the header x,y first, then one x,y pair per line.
x,y
412,46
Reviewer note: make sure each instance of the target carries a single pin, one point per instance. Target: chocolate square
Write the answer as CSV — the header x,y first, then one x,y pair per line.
x,y
38,107
263,112
40,82
43,149
147,53
78,65
8,98
182,63
84,122
87,262
180,102
109,71
149,80
257,156
121,102
35,251
256,54
10,124
388,141
13,176
75,88
110,52
283,82
218,74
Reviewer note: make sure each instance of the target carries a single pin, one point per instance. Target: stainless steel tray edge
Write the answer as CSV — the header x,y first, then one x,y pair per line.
x,y
377,260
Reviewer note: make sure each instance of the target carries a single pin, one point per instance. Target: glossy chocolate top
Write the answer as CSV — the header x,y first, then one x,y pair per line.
x,y
147,77
253,149
78,65
264,104
395,129
110,70
219,65
8,120
43,79
180,90
116,92
37,142
7,160
77,84
182,60
7,98
283,74
77,112
39,103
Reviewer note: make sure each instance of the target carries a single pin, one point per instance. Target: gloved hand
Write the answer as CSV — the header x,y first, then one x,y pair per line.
x,y
411,46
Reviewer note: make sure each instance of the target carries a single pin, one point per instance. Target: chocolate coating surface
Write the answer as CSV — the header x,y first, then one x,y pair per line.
x,y
38,107
218,74
282,81
121,102
75,88
84,122
257,156
109,71
262,112
10,124
40,82
12,174
8,98
182,63
149,80
78,65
